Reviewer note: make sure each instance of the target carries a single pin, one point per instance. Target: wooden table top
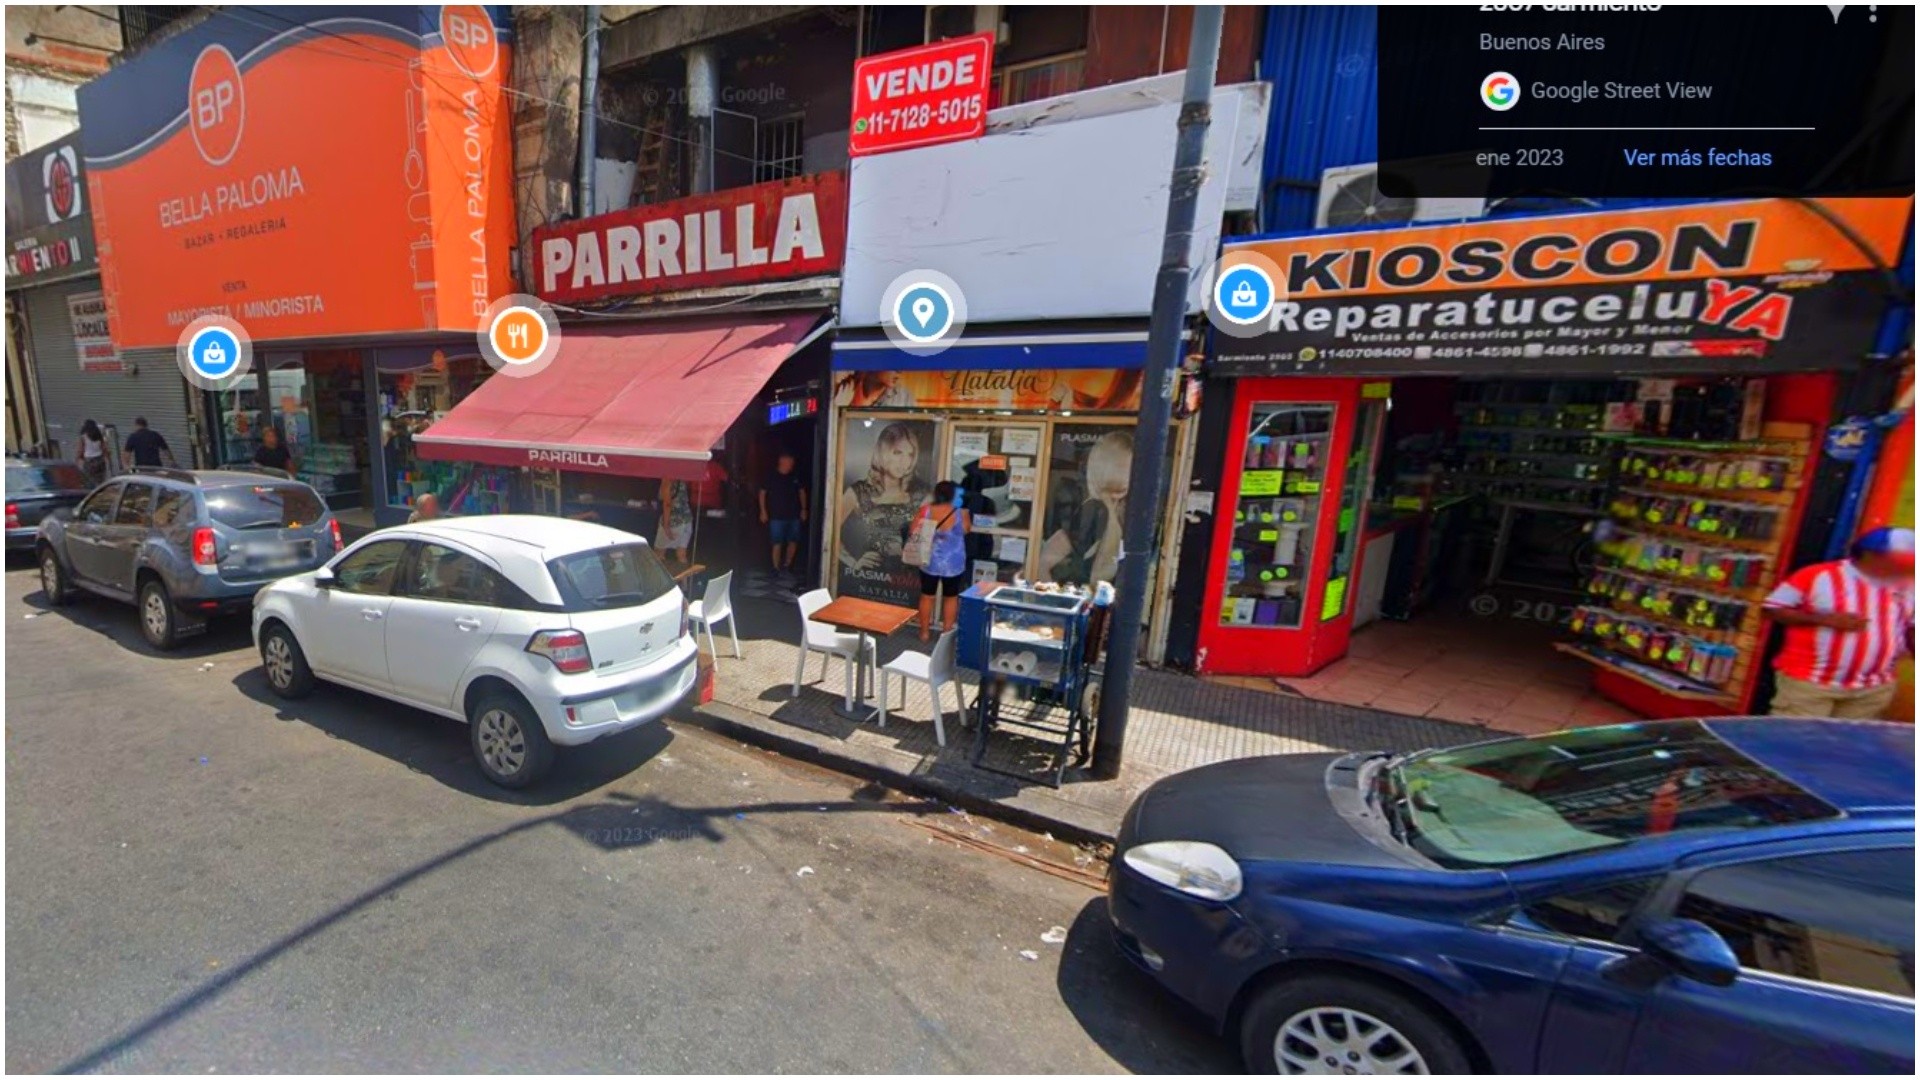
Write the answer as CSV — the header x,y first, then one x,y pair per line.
x,y
852,613
690,570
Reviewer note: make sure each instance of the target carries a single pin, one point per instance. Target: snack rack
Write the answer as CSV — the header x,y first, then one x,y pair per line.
x,y
1698,534
1036,674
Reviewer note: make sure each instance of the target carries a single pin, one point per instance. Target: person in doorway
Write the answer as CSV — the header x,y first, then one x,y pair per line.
x,y
272,454
146,447
676,520
93,453
1848,622
945,574
425,508
783,510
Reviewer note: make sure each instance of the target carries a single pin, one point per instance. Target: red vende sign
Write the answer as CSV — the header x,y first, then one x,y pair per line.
x,y
918,97
783,229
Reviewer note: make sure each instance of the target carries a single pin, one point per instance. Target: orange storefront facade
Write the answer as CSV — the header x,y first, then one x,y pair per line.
x,y
338,181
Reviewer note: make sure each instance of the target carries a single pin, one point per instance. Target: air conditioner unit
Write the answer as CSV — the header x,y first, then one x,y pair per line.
x,y
1350,196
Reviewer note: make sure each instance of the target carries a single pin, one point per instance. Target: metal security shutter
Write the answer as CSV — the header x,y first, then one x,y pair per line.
x,y
69,396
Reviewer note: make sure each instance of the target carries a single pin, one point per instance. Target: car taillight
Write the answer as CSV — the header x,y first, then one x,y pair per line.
x,y
13,516
566,648
206,552
335,526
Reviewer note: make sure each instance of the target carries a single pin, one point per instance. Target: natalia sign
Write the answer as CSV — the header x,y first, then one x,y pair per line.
x,y
783,229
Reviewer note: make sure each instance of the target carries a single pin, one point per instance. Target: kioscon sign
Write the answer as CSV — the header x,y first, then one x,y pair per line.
x,y
216,106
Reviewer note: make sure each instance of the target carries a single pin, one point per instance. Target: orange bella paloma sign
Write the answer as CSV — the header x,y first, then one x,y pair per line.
x,y
782,229
321,173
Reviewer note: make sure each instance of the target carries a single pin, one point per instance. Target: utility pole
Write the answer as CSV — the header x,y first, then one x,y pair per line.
x,y
1164,339
589,115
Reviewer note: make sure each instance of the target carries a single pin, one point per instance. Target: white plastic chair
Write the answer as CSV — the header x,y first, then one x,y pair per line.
x,y
716,606
825,640
936,671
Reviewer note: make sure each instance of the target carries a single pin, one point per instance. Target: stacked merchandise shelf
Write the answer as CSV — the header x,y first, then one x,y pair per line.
x,y
1549,448
333,470
1696,535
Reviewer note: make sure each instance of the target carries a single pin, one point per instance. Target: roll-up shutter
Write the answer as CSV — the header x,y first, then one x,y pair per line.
x,y
149,383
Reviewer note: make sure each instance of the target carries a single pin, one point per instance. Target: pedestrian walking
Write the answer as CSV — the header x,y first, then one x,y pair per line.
x,y
93,453
783,510
146,447
945,574
1848,623
273,455
676,523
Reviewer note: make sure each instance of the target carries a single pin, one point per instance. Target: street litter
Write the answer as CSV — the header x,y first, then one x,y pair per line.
x,y
1029,954
1055,936
33,615
208,666
805,871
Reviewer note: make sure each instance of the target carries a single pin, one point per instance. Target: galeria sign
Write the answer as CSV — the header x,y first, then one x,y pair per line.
x,y
783,229
922,96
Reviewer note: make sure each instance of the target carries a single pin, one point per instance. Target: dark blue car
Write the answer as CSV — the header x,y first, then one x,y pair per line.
x,y
1719,896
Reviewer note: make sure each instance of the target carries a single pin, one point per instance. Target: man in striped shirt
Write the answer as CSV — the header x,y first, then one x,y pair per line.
x,y
1847,624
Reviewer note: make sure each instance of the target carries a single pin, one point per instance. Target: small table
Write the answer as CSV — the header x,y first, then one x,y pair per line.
x,y
683,575
864,617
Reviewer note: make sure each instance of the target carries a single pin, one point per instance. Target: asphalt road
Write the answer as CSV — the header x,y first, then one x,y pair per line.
x,y
201,877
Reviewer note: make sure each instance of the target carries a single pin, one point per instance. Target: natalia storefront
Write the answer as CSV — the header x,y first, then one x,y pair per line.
x,y
236,168
1035,429
1509,464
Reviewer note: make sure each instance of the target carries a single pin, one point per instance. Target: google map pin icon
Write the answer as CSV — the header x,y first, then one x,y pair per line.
x,y
923,310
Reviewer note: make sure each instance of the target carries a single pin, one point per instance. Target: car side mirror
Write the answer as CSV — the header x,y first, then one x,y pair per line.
x,y
1691,950
323,579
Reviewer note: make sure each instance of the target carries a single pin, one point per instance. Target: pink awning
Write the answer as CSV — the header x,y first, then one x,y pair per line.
x,y
632,400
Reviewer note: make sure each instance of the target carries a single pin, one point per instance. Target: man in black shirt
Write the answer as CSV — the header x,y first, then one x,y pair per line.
x,y
783,510
271,454
146,447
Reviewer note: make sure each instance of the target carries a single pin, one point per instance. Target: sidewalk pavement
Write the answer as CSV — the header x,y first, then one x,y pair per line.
x,y
1178,722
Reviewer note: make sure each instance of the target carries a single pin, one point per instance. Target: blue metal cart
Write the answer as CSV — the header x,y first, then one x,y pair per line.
x,y
1038,678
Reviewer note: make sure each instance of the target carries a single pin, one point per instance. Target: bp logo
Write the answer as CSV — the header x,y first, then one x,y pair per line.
x,y
216,105
60,176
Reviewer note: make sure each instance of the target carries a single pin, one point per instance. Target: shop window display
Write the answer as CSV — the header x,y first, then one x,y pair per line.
x,y
886,473
416,390
1087,479
1274,515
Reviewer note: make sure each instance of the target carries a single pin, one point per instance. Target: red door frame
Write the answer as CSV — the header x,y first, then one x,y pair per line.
x,y
1232,650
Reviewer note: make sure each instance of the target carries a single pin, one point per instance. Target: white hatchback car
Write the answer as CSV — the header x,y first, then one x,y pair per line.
x,y
537,631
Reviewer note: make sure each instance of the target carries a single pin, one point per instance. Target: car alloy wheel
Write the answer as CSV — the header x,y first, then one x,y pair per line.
x,y
502,744
153,611
50,576
279,657
1338,1041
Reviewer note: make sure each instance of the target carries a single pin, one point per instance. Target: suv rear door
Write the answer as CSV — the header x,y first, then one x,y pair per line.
x,y
269,529
128,531
446,607
625,603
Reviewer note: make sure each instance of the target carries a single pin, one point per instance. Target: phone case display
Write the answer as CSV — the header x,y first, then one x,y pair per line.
x,y
1535,441
1693,540
1278,503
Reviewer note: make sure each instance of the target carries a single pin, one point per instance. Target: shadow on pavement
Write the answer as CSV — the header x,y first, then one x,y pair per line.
x,y
439,748
1110,998
120,624
615,821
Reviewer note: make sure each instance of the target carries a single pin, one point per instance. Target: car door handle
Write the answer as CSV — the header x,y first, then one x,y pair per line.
x,y
372,614
467,623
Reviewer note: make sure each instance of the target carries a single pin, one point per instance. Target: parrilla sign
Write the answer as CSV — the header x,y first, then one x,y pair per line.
x,y
1749,285
782,229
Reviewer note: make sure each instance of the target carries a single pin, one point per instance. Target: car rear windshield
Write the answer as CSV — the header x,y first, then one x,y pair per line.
x,y
265,506
33,479
1521,800
623,575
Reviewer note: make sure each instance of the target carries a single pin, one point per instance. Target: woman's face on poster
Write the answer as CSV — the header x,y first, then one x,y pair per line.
x,y
897,459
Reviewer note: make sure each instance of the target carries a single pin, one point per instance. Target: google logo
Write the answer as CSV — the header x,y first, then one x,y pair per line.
x,y
1500,91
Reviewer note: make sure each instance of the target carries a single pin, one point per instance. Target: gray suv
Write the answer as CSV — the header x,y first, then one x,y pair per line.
x,y
185,546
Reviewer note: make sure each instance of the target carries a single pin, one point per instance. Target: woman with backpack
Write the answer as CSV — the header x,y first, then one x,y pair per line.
x,y
945,570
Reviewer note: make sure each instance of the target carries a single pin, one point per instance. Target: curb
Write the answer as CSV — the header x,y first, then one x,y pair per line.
x,y
723,719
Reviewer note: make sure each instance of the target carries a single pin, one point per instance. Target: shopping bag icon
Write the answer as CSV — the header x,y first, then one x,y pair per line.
x,y
1243,295
213,355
